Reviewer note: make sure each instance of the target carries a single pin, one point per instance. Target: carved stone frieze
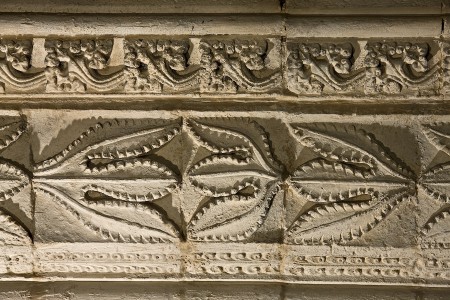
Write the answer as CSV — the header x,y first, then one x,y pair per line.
x,y
100,260
242,64
364,68
222,150
240,176
208,195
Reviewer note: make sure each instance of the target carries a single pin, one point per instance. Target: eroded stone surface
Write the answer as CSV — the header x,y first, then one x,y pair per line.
x,y
258,153
375,68
227,195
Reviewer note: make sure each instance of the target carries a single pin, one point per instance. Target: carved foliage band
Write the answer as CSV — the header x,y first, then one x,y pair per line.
x,y
234,65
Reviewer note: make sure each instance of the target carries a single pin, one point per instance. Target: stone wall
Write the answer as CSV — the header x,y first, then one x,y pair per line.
x,y
260,150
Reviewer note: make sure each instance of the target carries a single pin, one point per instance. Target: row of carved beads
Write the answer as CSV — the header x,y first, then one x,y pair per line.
x,y
223,66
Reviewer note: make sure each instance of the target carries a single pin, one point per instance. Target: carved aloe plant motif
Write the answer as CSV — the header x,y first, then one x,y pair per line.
x,y
239,175
154,65
12,181
16,71
77,66
110,175
392,67
436,182
311,67
230,66
353,184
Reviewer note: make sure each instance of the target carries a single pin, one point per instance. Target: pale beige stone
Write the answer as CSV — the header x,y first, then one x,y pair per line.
x,y
224,150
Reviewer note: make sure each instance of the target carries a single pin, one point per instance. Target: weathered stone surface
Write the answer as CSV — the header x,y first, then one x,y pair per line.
x,y
348,201
281,151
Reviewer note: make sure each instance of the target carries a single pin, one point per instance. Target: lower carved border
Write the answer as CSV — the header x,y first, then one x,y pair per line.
x,y
16,261
229,262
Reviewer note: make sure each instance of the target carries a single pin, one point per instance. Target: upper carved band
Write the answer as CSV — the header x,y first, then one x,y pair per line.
x,y
218,65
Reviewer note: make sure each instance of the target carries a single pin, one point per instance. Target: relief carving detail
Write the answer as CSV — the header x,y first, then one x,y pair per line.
x,y
154,65
240,176
312,67
108,178
394,67
354,183
78,66
235,65
272,194
16,72
229,66
13,180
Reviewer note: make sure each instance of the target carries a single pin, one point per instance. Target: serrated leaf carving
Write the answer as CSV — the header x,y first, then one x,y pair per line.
x,y
320,180
436,180
235,146
336,142
123,157
437,228
436,183
232,218
439,139
90,145
112,228
12,178
145,214
340,222
10,132
12,181
238,163
355,181
11,232
116,161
